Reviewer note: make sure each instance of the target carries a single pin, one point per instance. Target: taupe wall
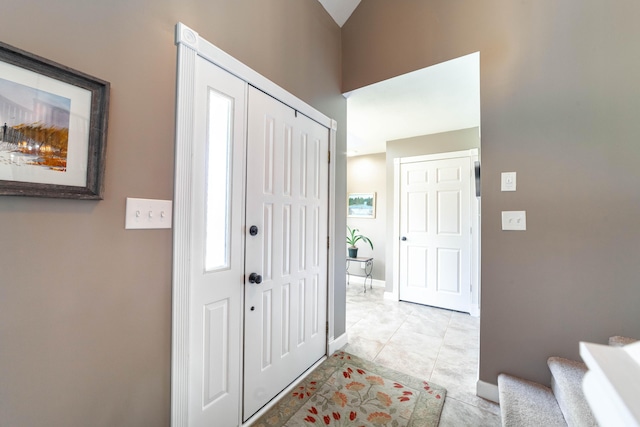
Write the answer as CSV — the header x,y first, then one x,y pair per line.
x,y
85,306
457,140
560,101
368,174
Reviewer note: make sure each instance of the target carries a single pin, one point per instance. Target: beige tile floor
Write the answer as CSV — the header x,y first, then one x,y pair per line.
x,y
437,345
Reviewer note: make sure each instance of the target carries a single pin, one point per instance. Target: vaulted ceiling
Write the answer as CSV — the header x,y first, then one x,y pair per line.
x,y
440,98
340,10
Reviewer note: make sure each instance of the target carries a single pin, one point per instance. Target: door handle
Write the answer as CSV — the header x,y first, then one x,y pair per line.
x,y
255,278
403,238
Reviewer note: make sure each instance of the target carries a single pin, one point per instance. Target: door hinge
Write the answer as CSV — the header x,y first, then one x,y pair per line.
x,y
328,247
329,157
327,327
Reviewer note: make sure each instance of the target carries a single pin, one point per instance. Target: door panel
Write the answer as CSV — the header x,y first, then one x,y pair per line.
x,y
287,199
217,248
435,218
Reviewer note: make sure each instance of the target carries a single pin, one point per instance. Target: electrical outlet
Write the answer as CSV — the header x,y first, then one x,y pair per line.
x,y
147,213
508,181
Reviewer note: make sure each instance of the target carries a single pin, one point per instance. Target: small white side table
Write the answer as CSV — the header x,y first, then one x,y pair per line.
x,y
368,269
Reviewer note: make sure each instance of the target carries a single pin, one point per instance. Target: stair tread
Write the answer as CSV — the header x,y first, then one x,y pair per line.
x,y
619,341
566,383
525,403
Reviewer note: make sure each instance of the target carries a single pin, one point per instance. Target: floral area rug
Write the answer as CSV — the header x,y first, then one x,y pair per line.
x,y
346,390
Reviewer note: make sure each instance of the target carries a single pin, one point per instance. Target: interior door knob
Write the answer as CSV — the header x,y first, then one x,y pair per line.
x,y
255,278
404,238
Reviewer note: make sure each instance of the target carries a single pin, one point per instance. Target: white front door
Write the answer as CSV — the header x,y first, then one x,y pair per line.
x,y
287,203
216,247
435,233
282,188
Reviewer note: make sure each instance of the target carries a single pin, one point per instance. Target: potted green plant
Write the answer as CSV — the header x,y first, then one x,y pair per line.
x,y
352,238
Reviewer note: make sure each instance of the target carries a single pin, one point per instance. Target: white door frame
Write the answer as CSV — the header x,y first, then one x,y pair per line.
x,y
190,46
475,224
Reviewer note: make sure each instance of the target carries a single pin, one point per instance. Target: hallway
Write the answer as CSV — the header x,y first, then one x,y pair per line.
x,y
433,344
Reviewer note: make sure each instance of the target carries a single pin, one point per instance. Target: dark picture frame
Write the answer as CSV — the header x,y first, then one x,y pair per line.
x,y
53,128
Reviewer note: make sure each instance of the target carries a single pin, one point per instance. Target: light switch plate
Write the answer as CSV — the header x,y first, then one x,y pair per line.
x,y
514,220
508,181
147,213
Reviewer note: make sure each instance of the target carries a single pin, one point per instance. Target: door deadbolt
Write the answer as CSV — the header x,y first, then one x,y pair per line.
x,y
255,278
253,230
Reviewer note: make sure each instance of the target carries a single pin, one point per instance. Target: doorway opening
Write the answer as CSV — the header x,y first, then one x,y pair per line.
x,y
431,111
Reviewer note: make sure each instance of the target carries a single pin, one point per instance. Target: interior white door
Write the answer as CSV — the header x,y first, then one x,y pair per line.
x,y
287,202
217,248
435,233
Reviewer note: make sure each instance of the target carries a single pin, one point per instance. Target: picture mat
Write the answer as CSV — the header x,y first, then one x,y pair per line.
x,y
79,126
362,212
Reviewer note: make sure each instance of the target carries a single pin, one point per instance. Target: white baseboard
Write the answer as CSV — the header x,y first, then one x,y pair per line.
x,y
338,343
359,280
390,296
474,311
487,391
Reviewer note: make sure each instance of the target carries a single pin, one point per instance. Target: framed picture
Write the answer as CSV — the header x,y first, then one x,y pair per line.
x,y
361,205
53,128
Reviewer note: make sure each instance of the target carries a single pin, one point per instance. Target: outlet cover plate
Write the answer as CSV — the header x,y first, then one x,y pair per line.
x,y
508,181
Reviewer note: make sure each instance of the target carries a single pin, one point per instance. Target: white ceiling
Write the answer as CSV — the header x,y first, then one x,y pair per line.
x,y
439,98
340,10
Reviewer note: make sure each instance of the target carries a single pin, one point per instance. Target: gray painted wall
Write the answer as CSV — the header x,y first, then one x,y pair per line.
x,y
367,174
85,306
559,104
456,140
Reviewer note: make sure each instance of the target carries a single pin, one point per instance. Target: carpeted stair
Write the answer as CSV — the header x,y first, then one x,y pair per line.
x,y
566,383
525,403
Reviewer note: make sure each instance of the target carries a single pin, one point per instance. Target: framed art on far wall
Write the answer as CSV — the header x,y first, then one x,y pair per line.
x,y
361,205
53,128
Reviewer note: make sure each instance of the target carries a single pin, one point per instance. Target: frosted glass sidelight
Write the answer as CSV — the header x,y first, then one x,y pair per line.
x,y
218,190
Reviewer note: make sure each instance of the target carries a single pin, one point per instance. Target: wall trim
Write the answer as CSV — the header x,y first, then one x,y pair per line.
x,y
331,256
359,280
181,281
338,343
487,391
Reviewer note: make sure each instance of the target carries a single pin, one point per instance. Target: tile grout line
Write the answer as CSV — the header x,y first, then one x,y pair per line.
x,y
385,344
440,348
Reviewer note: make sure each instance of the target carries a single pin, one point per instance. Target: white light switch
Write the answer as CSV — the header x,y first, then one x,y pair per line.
x,y
514,220
508,181
147,213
